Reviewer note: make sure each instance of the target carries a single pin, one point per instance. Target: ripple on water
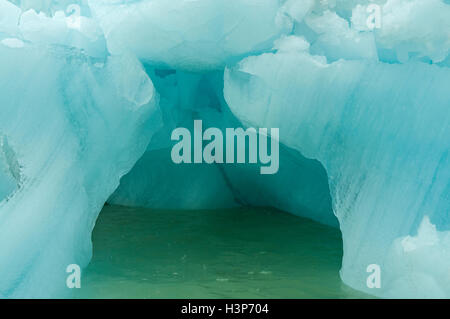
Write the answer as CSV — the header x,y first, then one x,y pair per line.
x,y
236,253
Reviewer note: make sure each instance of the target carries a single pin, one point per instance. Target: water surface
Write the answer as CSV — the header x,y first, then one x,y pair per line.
x,y
236,253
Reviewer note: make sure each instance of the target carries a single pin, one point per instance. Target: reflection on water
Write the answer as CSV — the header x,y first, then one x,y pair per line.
x,y
237,253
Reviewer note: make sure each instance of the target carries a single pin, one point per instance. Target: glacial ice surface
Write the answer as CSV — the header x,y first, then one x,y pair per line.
x,y
192,35
382,133
63,117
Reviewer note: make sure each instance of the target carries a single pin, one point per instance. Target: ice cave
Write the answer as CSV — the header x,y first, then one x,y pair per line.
x,y
91,91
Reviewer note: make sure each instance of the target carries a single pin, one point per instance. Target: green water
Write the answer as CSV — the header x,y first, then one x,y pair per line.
x,y
238,253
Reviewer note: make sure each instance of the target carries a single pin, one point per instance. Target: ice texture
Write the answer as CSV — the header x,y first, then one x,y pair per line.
x,y
9,169
411,28
63,118
9,17
72,31
337,40
377,129
50,7
65,27
192,35
412,259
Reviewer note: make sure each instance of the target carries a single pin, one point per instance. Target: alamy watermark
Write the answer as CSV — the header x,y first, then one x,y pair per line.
x,y
374,19
74,278
374,279
234,151
73,18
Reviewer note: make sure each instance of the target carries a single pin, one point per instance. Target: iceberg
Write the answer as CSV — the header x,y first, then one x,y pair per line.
x,y
91,90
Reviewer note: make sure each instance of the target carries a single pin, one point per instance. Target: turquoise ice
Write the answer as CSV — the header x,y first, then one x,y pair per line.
x,y
382,133
91,90
64,117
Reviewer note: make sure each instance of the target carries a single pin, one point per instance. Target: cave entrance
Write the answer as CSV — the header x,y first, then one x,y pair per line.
x,y
243,252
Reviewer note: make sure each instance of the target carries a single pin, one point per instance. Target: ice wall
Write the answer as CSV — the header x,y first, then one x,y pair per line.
x,y
64,116
381,131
